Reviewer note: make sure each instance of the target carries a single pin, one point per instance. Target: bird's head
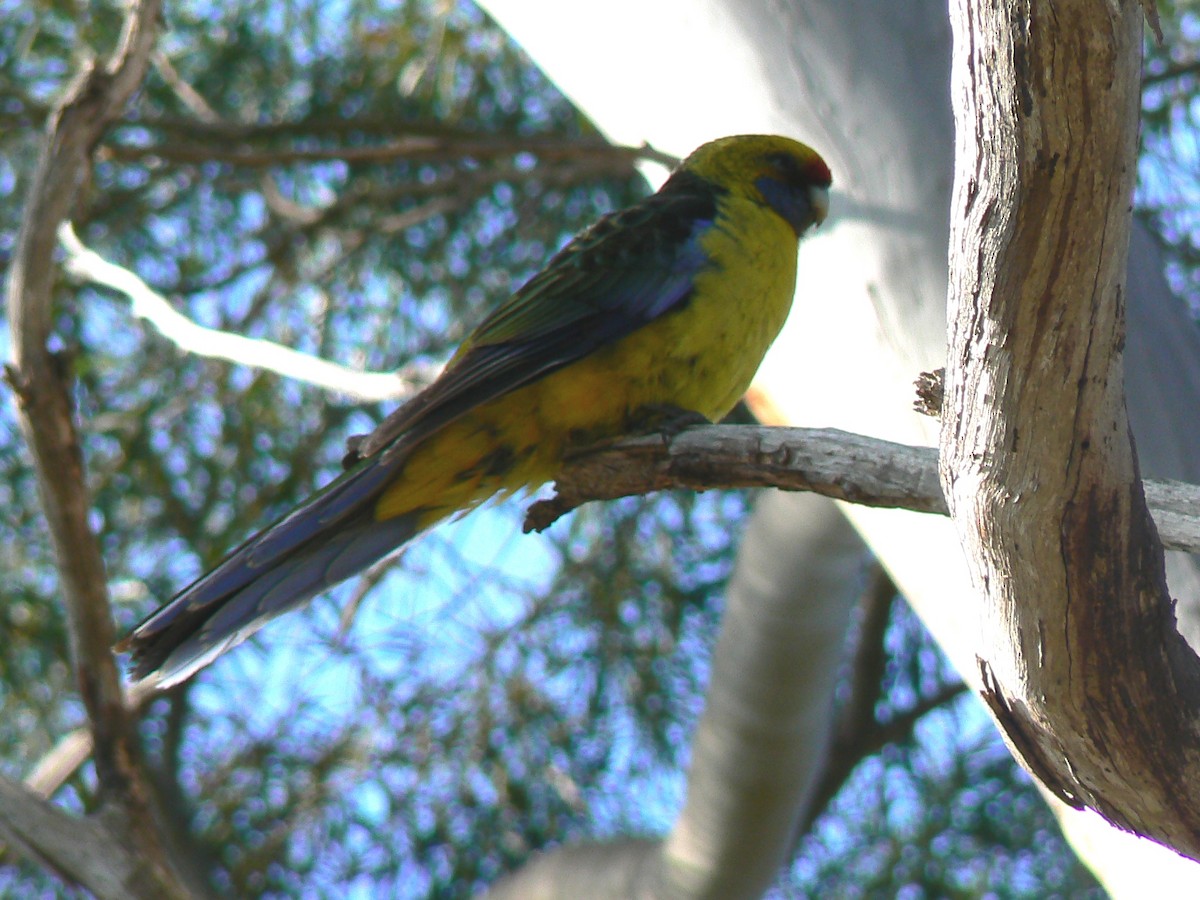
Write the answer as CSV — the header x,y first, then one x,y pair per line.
x,y
788,176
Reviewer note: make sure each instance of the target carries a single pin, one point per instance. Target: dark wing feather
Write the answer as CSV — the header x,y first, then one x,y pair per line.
x,y
626,270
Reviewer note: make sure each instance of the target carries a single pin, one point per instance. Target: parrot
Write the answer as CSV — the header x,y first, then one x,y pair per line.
x,y
663,309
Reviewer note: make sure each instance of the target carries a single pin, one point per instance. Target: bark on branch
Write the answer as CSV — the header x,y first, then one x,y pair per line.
x,y
87,851
601,155
1085,670
826,461
93,100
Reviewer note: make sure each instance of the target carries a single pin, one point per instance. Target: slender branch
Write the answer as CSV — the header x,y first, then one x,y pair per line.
x,y
213,343
424,137
856,717
93,100
868,662
413,148
825,461
51,772
1172,72
852,748
64,759
223,131
187,94
447,192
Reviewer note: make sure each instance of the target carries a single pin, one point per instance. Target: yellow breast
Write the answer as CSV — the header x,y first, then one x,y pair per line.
x,y
699,357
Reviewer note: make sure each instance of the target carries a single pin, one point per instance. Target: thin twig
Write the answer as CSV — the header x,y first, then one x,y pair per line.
x,y
1171,73
859,732
53,770
187,94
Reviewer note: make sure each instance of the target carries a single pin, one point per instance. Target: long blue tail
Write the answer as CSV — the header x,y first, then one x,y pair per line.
x,y
327,539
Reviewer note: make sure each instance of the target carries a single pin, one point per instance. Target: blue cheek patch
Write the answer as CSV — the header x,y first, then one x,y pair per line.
x,y
789,201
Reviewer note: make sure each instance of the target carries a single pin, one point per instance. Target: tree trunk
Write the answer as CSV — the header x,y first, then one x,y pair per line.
x,y
1081,662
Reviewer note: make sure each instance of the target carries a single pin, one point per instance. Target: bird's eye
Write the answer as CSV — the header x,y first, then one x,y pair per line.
x,y
784,167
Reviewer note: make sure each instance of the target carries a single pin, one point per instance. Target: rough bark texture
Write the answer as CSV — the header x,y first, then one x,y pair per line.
x,y
824,461
1082,663
860,470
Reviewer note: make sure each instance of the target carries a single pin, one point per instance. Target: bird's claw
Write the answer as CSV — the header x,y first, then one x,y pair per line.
x,y
665,419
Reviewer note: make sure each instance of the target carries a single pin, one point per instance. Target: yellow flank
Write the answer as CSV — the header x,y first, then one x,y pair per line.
x,y
700,357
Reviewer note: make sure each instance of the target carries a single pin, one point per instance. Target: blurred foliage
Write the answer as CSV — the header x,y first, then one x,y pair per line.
x,y
941,812
485,696
1169,169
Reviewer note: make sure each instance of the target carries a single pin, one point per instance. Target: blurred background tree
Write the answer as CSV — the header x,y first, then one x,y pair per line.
x,y
1170,163
359,182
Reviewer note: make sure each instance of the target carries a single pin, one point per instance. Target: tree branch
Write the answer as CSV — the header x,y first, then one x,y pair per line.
x,y
1171,73
213,343
449,141
833,463
1083,667
80,851
51,772
415,141
410,147
856,722
92,101
826,461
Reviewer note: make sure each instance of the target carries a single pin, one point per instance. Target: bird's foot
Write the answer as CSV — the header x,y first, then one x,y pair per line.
x,y
665,419
354,455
